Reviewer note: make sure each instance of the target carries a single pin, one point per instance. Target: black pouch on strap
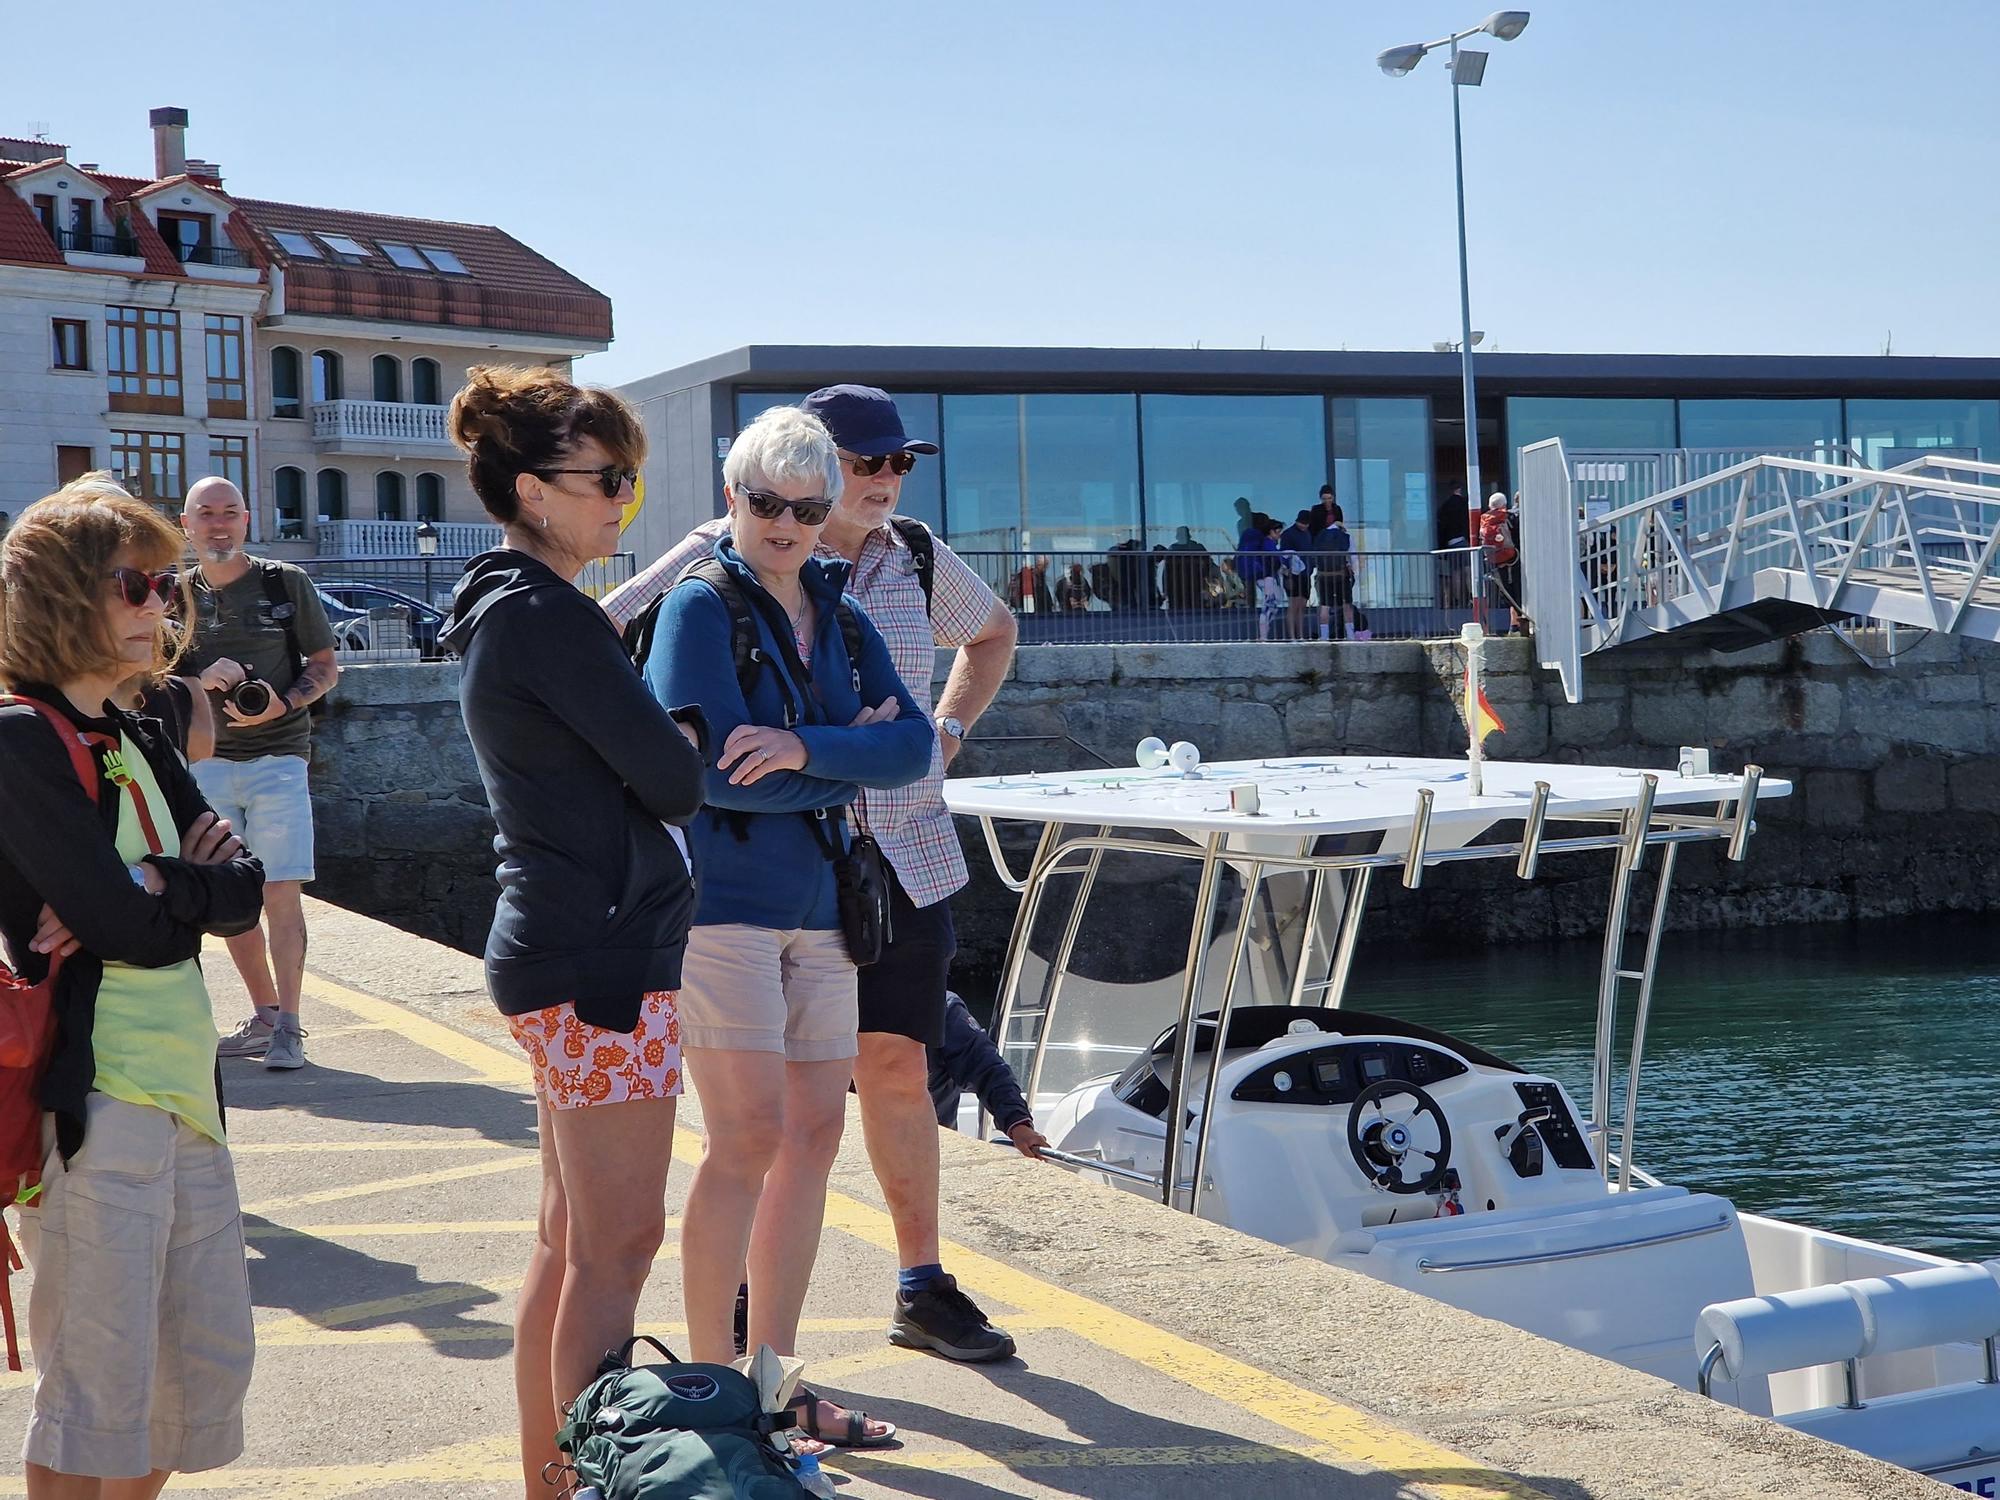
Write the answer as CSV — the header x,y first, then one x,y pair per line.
x,y
861,884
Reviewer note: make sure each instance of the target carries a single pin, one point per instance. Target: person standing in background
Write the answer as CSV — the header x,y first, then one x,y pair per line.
x,y
256,617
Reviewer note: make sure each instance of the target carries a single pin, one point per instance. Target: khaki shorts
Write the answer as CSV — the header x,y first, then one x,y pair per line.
x,y
140,1314
763,989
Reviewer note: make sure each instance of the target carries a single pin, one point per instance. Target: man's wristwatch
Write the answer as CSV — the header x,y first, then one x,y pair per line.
x,y
952,727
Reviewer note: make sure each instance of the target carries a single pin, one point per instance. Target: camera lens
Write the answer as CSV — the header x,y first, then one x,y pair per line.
x,y
251,697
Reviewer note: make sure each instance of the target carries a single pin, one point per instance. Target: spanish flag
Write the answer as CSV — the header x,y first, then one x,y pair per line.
x,y
1479,715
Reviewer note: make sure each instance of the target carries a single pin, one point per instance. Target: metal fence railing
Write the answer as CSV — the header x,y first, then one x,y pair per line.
x,y
1125,595
372,620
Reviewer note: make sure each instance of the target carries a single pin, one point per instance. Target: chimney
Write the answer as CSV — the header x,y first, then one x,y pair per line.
x,y
207,170
169,142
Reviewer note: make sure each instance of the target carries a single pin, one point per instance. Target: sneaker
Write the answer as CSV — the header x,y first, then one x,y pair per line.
x,y
945,1321
251,1038
287,1049
742,1330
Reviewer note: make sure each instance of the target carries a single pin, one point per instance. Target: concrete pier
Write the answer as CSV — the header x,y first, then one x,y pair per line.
x,y
390,1190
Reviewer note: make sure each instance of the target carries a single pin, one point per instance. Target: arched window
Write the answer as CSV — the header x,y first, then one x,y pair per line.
x,y
326,375
425,387
388,496
430,498
290,490
332,486
286,385
388,378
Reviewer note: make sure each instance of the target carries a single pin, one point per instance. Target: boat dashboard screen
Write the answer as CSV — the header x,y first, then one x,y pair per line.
x,y
1338,1072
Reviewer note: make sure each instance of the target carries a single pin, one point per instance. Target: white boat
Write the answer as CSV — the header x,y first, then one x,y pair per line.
x,y
1408,1155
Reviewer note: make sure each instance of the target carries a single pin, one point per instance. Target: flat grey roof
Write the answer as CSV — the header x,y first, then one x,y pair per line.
x,y
918,367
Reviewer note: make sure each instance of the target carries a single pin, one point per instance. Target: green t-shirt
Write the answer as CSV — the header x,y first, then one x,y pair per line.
x,y
154,1034
236,621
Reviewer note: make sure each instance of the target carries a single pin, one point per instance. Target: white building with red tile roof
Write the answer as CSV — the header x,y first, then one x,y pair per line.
x,y
165,328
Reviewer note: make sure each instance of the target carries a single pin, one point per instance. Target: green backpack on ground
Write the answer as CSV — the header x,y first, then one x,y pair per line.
x,y
675,1431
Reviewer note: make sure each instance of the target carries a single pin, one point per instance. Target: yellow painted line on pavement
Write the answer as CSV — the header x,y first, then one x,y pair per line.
x,y
389,1230
489,1062
471,1143
491,1459
882,1357
1088,1456
1351,1434
264,1208
302,1332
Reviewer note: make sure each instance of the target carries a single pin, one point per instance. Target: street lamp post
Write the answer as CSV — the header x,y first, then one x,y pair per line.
x,y
427,548
1468,68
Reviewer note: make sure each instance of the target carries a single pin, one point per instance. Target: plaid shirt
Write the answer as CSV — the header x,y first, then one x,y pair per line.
x,y
911,823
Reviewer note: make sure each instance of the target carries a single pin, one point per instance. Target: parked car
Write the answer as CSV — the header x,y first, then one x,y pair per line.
x,y
357,599
344,620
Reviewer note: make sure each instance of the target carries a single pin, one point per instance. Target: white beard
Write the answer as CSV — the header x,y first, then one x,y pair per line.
x,y
214,556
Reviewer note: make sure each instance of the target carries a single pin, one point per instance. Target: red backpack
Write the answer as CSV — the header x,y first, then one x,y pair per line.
x,y
27,1035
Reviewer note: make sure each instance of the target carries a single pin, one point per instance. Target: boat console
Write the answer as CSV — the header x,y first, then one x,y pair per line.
x,y
1416,1158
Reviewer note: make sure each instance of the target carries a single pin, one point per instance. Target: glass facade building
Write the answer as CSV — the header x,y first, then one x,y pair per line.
x,y
1084,450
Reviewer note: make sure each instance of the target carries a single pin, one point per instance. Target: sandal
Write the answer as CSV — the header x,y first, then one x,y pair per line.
x,y
855,1434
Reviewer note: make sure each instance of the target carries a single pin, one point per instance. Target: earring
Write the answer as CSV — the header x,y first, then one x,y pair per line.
x,y
545,523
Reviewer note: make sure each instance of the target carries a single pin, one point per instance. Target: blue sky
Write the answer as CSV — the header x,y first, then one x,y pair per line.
x,y
1757,176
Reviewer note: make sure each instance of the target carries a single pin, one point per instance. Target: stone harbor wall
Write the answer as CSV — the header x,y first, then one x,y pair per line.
x,y
1896,805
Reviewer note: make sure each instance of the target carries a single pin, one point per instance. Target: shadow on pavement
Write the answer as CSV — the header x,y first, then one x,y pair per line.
x,y
1146,1455
299,1272
496,1113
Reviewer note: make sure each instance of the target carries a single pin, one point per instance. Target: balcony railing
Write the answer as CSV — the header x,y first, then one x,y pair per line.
x,y
394,423
211,255
460,539
95,244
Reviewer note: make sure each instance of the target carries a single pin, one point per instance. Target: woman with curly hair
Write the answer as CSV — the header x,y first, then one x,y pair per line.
x,y
589,780
113,866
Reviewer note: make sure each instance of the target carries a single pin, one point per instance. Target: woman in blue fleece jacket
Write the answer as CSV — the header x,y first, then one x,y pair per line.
x,y
768,990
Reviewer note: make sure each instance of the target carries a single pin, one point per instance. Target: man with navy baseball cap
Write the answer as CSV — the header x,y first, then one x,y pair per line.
x,y
920,595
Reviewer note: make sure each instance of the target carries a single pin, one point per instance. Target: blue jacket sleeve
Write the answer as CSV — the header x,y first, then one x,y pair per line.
x,y
969,1058
692,662
878,756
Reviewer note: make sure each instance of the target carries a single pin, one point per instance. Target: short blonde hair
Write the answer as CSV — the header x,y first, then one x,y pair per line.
x,y
54,568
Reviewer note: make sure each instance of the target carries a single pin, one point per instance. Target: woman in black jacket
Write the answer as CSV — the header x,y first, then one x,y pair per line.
x,y
113,865
590,781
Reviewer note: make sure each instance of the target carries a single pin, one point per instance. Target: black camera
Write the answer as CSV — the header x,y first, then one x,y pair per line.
x,y
251,696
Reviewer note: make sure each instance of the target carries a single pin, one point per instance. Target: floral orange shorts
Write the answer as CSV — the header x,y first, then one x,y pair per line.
x,y
577,1064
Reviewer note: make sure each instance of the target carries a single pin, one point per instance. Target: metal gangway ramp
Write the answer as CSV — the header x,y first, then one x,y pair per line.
x,y
1764,548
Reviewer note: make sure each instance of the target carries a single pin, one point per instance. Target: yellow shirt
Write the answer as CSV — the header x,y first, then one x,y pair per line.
x,y
154,1036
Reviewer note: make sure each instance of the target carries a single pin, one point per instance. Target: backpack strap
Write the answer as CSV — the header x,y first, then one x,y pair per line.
x,y
744,650
850,636
923,553
285,612
80,758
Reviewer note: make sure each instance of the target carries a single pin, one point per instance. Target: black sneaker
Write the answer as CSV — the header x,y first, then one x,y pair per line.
x,y
742,1320
945,1321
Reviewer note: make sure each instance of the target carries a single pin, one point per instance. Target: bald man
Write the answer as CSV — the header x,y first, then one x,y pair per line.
x,y
260,619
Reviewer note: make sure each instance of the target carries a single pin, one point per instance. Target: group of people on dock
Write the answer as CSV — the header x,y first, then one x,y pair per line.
x,y
755,709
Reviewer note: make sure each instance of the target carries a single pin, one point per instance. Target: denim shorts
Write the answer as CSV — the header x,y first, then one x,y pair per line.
x,y
269,804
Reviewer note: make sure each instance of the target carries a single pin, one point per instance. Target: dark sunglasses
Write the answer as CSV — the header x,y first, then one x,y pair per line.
x,y
768,507
134,586
611,478
868,468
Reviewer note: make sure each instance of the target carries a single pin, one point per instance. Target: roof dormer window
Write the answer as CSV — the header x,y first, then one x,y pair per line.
x,y
345,247
405,256
445,261
293,243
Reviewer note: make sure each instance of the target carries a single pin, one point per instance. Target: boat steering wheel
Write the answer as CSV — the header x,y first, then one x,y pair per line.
x,y
1383,1143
